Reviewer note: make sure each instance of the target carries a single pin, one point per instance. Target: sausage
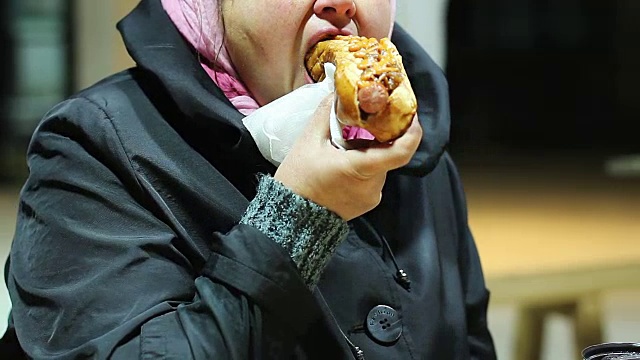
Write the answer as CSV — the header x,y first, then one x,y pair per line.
x,y
372,86
373,98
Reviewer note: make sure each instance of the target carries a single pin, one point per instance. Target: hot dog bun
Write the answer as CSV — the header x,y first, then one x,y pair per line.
x,y
372,86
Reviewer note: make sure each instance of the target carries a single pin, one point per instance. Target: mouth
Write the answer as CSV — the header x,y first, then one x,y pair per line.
x,y
323,35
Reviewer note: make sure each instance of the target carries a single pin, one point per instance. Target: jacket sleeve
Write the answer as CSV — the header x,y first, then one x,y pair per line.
x,y
476,295
93,273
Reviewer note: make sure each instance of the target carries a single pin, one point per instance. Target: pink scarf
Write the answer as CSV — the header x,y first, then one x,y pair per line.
x,y
198,22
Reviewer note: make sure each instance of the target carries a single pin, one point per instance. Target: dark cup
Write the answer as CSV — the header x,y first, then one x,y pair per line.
x,y
612,351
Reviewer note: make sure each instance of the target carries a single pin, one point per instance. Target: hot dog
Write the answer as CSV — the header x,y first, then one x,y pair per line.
x,y
372,87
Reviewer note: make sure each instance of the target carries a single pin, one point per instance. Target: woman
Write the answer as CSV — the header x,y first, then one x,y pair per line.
x,y
144,232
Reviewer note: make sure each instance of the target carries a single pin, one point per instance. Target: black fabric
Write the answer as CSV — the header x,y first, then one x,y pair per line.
x,y
128,245
240,264
429,82
9,345
188,99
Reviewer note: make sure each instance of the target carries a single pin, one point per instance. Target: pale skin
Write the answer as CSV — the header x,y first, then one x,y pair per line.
x,y
280,32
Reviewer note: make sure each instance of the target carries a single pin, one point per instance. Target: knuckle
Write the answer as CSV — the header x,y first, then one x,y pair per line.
x,y
404,155
356,172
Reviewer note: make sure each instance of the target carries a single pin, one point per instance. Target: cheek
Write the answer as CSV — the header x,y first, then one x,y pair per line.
x,y
274,26
377,18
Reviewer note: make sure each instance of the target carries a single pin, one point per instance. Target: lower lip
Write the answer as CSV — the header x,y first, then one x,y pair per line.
x,y
307,78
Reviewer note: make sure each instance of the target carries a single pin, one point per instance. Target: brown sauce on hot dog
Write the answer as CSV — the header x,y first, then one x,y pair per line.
x,y
380,71
372,87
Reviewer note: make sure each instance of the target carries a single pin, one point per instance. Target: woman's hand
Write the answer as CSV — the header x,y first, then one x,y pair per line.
x,y
349,182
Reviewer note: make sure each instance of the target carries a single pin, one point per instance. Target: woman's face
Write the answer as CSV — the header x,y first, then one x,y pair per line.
x,y
268,39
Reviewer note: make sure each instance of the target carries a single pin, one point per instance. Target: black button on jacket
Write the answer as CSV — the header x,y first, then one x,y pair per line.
x,y
128,245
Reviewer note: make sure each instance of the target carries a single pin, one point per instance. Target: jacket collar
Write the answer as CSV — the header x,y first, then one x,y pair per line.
x,y
189,100
158,48
432,91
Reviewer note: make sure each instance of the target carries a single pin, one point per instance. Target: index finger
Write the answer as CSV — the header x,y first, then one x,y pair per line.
x,y
388,156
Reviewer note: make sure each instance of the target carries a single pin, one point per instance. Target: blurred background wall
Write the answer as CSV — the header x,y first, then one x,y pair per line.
x,y
35,71
544,105
98,27
427,22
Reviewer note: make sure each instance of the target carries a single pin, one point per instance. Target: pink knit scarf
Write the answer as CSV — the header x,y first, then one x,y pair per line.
x,y
199,22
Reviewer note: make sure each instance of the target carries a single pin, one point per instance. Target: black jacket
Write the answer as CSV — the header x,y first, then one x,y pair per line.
x,y
128,244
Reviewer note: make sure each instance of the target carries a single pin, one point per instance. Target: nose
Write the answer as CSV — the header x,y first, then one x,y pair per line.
x,y
338,12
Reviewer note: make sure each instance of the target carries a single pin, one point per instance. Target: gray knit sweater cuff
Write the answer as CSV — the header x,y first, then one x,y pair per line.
x,y
307,231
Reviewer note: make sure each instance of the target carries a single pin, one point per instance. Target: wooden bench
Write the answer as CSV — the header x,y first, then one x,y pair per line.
x,y
553,238
554,234
575,294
